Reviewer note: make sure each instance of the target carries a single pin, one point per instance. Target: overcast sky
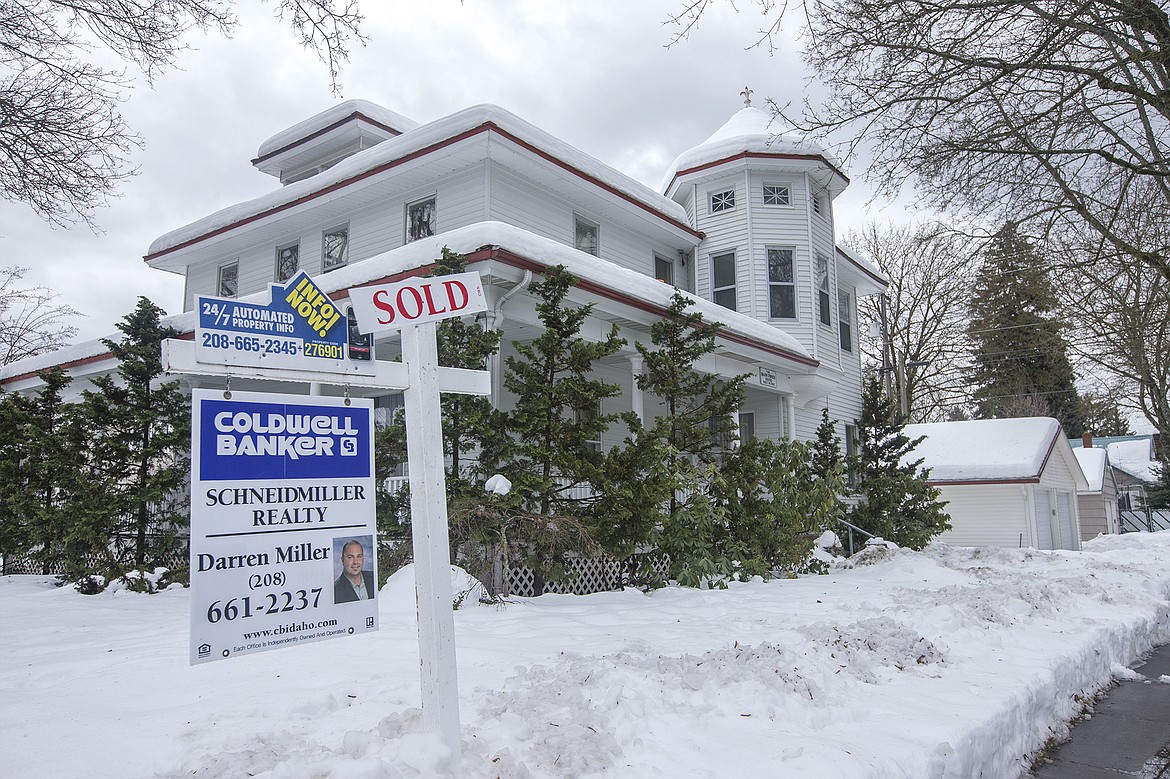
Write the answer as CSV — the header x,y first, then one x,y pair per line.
x,y
598,75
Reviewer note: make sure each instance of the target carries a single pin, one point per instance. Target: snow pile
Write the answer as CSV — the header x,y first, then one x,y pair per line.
x,y
949,662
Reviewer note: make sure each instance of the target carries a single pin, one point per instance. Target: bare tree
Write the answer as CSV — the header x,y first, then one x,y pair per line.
x,y
30,318
1049,112
64,146
928,266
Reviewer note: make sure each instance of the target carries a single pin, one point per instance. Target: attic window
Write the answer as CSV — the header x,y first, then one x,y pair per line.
x,y
722,201
420,219
777,195
228,283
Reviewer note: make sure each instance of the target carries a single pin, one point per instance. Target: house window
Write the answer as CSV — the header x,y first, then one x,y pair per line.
x,y
823,310
420,219
722,201
663,269
585,236
288,261
589,416
747,426
819,205
845,319
851,452
723,280
781,284
334,249
228,283
777,195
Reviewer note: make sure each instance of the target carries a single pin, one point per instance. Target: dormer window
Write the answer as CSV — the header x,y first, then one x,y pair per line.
x,y
777,195
420,219
334,249
585,235
723,201
288,261
228,280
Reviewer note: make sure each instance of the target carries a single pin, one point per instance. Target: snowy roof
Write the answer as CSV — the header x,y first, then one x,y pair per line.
x,y
314,124
986,449
466,240
408,143
1135,457
1093,462
748,130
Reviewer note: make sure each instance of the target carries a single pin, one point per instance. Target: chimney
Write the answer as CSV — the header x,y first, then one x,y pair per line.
x,y
1087,440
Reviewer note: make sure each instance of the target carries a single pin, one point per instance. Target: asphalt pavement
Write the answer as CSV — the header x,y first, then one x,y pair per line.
x,y
1127,735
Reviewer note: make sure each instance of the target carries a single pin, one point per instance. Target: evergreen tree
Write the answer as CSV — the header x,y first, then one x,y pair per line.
x,y
827,464
141,439
1020,358
1158,494
1103,416
556,418
14,531
896,502
468,420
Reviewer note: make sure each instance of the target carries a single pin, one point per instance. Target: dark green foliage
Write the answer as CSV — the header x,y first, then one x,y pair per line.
x,y
556,416
391,506
1020,358
896,502
1103,416
1158,494
468,420
139,427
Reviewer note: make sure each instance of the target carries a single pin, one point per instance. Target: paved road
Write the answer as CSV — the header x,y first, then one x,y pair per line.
x,y
1128,735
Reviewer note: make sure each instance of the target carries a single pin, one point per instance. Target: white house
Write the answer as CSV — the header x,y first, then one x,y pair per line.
x,y
744,222
1097,505
1007,482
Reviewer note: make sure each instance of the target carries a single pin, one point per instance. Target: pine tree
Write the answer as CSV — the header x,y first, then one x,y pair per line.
x,y
141,439
1103,416
896,504
827,464
1021,365
468,420
556,418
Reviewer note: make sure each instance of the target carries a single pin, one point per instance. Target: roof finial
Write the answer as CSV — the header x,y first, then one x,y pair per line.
x,y
747,97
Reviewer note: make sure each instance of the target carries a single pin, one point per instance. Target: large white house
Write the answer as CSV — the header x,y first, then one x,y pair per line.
x,y
744,221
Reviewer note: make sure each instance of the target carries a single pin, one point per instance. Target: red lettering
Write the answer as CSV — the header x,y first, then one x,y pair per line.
x,y
451,286
418,303
383,305
430,303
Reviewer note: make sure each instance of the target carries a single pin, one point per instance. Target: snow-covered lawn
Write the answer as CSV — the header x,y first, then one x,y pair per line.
x,y
945,663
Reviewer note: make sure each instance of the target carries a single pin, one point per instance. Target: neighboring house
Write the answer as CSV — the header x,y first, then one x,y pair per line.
x,y
745,224
1136,467
1096,505
1007,482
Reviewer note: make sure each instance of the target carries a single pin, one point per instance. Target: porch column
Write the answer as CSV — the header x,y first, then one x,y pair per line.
x,y
636,402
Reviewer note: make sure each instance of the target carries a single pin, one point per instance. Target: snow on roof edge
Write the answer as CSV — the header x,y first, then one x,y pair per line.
x,y
966,451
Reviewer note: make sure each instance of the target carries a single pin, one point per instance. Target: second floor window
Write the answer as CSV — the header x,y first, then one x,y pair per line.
x,y
663,269
845,319
585,236
334,249
288,261
823,301
722,201
781,284
420,219
228,283
777,195
723,280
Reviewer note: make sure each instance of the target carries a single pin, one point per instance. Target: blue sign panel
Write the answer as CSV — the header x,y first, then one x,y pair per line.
x,y
300,327
256,440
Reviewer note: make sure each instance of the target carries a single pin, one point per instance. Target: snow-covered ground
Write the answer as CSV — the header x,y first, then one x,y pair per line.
x,y
945,663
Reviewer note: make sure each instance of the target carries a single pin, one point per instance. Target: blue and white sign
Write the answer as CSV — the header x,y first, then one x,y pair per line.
x,y
283,543
300,327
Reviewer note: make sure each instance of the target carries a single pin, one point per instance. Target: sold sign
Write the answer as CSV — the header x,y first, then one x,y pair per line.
x,y
417,300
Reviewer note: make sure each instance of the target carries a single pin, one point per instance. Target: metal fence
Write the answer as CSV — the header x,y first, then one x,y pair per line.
x,y
1147,520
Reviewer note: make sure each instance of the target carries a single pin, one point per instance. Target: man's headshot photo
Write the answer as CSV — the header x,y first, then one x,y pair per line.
x,y
355,582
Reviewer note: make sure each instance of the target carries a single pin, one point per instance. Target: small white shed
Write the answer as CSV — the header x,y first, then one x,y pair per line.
x,y
1097,505
1007,482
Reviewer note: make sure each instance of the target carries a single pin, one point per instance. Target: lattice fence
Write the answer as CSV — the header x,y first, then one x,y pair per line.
x,y
584,575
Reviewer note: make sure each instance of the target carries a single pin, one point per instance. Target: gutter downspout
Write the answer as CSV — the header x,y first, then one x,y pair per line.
x,y
495,321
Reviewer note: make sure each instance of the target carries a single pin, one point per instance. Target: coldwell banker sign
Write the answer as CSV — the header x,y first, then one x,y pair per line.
x,y
282,521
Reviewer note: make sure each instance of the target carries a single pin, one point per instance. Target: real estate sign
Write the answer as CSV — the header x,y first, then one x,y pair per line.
x,y
282,521
299,327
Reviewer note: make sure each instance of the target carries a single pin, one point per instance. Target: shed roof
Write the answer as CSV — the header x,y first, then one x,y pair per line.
x,y
986,450
1093,462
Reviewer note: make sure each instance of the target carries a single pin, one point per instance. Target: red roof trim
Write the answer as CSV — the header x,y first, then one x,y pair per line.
x,y
756,155
189,336
485,127
323,130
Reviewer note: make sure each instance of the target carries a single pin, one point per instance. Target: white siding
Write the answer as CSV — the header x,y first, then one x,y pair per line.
x,y
986,515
